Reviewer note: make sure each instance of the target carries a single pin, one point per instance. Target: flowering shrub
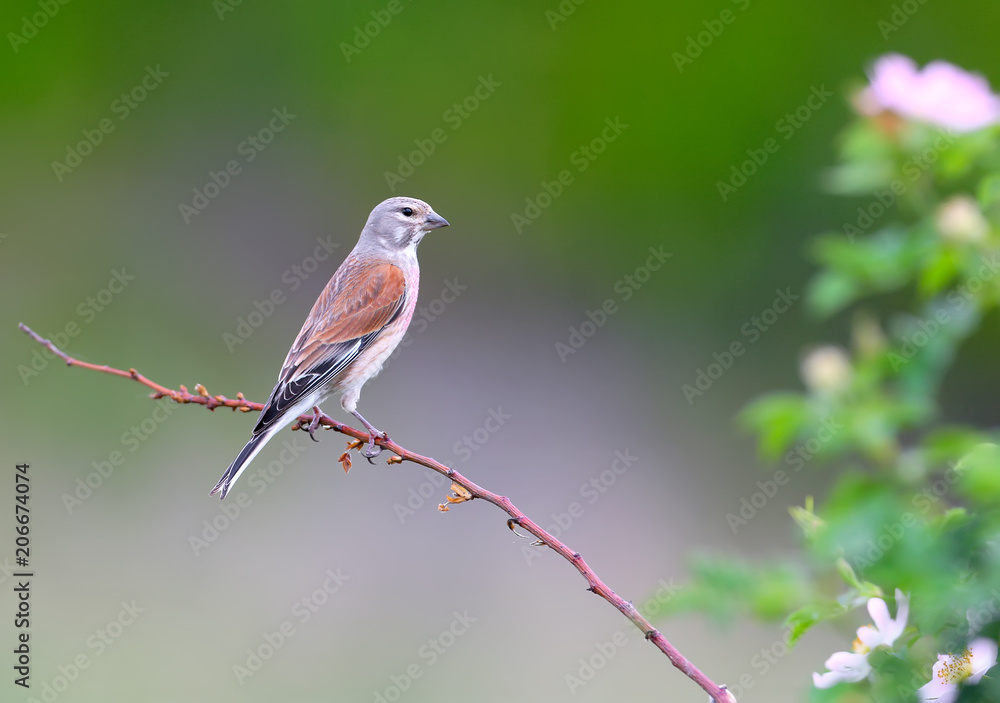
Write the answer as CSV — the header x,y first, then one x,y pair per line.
x,y
914,510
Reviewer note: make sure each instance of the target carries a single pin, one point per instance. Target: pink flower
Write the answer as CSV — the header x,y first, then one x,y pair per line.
x,y
941,94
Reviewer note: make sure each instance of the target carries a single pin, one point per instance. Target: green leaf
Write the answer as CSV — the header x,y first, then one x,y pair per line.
x,y
950,443
810,523
832,291
866,161
725,588
988,192
927,344
806,617
846,572
883,261
858,178
777,419
979,474
950,520
941,270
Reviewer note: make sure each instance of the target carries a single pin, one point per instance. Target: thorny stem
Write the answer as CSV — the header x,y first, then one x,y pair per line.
x,y
719,694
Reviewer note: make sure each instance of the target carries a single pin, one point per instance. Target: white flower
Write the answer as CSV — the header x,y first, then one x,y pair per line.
x,y
941,94
826,368
960,220
850,667
844,667
886,630
950,671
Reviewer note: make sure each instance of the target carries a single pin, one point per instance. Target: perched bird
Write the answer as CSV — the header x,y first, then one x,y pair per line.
x,y
351,330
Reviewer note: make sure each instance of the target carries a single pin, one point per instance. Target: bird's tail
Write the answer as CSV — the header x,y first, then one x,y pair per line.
x,y
240,463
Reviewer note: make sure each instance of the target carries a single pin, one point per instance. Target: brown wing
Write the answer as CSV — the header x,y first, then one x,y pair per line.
x,y
358,302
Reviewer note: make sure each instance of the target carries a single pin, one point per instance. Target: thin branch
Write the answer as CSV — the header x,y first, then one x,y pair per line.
x,y
464,490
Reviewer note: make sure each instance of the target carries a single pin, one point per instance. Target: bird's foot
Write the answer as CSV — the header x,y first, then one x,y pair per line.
x,y
372,450
314,425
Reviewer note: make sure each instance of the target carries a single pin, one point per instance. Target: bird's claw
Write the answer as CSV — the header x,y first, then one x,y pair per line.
x,y
314,424
372,450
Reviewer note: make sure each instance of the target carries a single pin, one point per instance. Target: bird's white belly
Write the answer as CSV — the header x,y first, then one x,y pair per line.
x,y
370,361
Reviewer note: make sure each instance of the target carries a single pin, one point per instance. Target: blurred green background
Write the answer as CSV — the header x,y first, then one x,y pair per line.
x,y
364,85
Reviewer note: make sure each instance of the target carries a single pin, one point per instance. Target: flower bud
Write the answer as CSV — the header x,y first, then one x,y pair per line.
x,y
961,220
826,369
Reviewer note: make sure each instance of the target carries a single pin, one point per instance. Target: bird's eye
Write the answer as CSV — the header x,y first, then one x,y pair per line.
x,y
408,211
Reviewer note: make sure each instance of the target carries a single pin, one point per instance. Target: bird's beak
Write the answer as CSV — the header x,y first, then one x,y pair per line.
x,y
433,221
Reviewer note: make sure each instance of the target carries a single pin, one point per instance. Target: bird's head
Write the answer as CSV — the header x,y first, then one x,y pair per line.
x,y
400,223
